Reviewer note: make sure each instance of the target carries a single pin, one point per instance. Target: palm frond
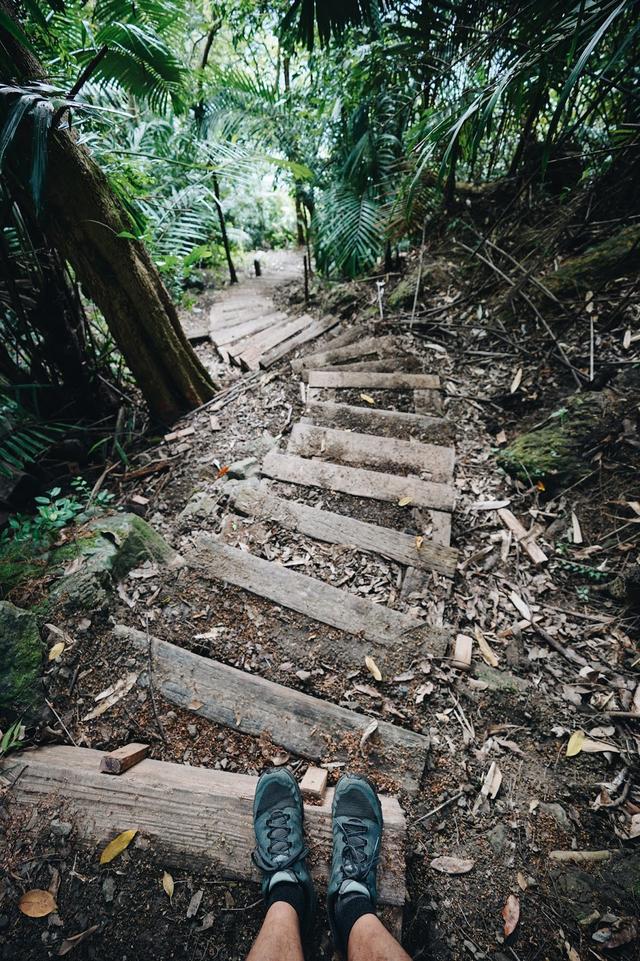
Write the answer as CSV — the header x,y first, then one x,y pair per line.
x,y
348,232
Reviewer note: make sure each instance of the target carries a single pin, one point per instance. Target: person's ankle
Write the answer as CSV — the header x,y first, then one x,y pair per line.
x,y
352,903
285,887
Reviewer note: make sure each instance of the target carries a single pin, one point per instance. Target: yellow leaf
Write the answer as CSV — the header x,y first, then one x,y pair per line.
x,y
373,668
167,884
575,743
419,542
404,501
37,903
56,651
117,846
367,398
517,380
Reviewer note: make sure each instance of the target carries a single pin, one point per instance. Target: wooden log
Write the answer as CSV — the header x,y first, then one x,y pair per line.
x,y
247,328
522,536
123,758
314,783
193,817
374,420
372,381
368,450
316,329
249,352
358,482
321,602
363,347
305,725
342,529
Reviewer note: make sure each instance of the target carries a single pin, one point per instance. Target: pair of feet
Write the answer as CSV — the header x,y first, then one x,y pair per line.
x,y
281,852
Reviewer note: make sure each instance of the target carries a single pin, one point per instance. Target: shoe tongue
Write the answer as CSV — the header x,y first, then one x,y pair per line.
x,y
287,876
354,887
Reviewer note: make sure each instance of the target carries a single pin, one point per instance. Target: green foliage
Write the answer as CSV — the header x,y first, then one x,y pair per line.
x,y
22,437
12,738
348,231
54,512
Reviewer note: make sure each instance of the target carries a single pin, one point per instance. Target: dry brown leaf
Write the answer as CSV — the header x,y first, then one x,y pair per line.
x,y
419,541
448,865
511,914
523,884
367,399
373,668
488,655
75,939
37,903
492,781
575,528
521,607
117,846
517,380
194,903
111,696
367,733
167,884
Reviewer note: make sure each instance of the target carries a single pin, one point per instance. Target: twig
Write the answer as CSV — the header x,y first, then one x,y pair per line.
x,y
79,84
419,277
153,700
64,726
440,807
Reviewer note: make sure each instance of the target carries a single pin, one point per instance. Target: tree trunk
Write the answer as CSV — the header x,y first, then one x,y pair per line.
x,y
233,277
84,219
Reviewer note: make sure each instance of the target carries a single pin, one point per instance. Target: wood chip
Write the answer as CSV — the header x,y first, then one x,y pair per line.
x,y
462,652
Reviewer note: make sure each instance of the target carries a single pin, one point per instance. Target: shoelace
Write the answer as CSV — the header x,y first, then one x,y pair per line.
x,y
278,832
354,832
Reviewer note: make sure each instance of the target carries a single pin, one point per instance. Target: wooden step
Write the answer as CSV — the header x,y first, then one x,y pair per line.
x,y
378,625
341,529
305,725
193,817
368,450
373,381
250,351
358,482
335,355
388,365
374,420
318,327
219,322
233,335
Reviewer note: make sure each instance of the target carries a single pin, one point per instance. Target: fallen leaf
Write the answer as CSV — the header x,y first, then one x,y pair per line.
x,y
517,380
222,472
589,746
626,340
447,865
511,914
37,903
75,939
492,781
490,505
419,541
520,605
111,696
194,705
423,691
488,655
167,884
117,846
522,881
367,733
373,668
572,954
367,399
575,743
626,933
194,903
404,501
56,651
576,529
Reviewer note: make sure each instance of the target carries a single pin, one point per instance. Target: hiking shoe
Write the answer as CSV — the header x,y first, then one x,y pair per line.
x,y
280,851
357,836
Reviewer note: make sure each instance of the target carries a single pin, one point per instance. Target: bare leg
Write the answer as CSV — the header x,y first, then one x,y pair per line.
x,y
370,941
279,937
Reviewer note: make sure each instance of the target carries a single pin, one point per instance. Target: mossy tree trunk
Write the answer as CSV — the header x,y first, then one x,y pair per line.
x,y
84,220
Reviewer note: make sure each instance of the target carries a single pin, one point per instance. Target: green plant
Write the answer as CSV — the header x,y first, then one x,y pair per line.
x,y
53,513
12,738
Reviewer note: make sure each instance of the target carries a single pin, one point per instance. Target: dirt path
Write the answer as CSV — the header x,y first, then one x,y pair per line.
x,y
314,504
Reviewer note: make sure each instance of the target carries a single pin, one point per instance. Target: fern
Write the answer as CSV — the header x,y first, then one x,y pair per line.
x,y
348,232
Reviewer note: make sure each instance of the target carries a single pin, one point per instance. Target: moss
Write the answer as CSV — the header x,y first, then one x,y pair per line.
x,y
611,258
20,661
556,451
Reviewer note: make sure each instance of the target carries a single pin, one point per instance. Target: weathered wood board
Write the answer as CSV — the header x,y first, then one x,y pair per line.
x,y
372,381
252,351
305,725
247,328
191,815
374,420
321,602
342,529
316,329
368,450
358,481
336,355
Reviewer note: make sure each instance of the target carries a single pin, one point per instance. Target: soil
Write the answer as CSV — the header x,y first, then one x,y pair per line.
x,y
518,714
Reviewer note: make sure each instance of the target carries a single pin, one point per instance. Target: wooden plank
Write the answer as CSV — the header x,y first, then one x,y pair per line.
x,y
373,381
314,783
316,329
368,450
198,335
232,335
223,323
123,758
374,420
341,529
522,536
309,596
191,815
348,336
257,346
358,481
305,725
388,365
335,355
427,401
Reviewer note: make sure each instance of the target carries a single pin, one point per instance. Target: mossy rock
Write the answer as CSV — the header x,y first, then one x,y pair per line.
x,y
432,276
556,451
21,649
135,541
614,257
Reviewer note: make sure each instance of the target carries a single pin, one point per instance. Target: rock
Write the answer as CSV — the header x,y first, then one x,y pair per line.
x,y
500,680
192,730
558,813
432,276
108,888
136,542
21,651
200,506
497,838
60,829
242,469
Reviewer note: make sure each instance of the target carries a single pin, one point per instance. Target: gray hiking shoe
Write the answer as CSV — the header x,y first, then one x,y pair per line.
x,y
357,836
280,852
